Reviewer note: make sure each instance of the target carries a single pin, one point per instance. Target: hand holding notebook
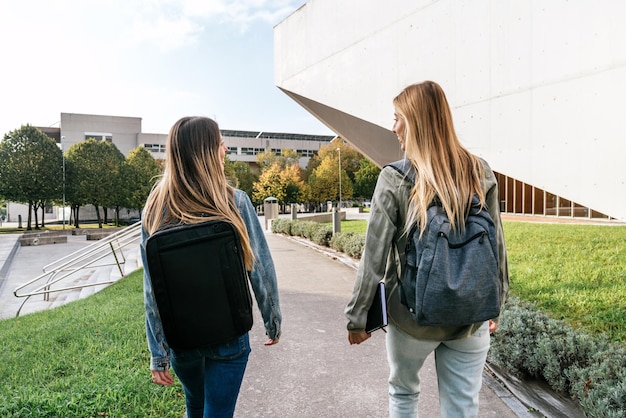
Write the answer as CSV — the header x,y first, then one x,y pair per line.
x,y
377,314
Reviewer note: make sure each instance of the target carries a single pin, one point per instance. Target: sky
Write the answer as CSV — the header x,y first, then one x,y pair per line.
x,y
154,59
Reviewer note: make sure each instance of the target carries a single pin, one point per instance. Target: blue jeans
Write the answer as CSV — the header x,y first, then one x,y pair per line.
x,y
211,377
459,365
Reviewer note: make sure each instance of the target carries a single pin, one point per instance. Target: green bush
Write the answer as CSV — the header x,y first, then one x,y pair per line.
x,y
588,368
351,243
601,388
321,234
308,228
302,228
338,240
282,226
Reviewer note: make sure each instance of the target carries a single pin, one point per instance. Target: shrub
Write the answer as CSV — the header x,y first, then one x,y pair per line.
x,y
338,240
351,243
354,245
588,368
282,226
321,234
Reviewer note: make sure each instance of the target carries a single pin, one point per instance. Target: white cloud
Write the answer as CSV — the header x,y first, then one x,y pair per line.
x,y
165,33
170,24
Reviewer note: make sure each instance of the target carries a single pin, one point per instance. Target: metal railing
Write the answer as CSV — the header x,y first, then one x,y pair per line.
x,y
86,257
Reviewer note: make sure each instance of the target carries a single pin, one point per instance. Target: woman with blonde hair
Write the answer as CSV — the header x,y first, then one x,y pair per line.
x,y
194,189
442,168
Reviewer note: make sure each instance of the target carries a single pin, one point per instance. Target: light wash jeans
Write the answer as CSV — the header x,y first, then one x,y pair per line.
x,y
459,365
211,377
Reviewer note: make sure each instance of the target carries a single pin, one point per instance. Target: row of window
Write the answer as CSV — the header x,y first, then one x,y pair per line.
x,y
155,147
244,150
99,137
254,151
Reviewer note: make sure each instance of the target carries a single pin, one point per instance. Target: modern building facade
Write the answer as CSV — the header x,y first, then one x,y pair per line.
x,y
126,134
536,87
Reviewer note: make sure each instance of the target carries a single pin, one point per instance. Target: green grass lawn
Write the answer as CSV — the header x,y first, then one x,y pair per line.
x,y
572,272
85,359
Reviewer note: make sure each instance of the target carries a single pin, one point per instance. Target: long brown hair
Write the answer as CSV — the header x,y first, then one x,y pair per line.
x,y
193,187
444,168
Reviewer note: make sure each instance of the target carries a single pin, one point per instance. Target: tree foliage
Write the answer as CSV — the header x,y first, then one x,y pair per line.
x,y
365,179
92,170
350,157
324,181
141,174
283,183
243,176
31,169
269,185
287,157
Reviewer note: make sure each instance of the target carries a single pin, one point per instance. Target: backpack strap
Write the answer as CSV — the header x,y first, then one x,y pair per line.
x,y
404,167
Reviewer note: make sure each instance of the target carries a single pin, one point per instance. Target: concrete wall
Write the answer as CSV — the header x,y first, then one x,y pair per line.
x,y
536,87
124,130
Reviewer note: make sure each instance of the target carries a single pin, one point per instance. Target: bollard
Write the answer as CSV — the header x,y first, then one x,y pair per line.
x,y
336,221
294,212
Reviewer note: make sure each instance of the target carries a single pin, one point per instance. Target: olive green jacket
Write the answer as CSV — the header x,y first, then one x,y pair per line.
x,y
384,256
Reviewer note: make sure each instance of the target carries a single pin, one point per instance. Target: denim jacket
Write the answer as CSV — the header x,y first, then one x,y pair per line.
x,y
384,256
262,279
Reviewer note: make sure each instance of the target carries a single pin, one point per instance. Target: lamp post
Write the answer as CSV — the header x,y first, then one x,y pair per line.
x,y
339,151
63,158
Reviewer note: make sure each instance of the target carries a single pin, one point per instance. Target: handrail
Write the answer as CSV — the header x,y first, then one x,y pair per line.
x,y
81,259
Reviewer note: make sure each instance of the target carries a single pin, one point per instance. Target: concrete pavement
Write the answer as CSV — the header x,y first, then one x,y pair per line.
x,y
313,371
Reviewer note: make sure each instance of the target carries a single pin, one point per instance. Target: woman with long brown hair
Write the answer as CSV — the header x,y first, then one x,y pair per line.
x,y
194,189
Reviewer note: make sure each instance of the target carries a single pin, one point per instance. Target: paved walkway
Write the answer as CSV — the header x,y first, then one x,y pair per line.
x,y
313,372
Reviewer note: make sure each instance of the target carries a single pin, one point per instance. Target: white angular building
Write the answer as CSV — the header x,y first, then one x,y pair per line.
x,y
537,88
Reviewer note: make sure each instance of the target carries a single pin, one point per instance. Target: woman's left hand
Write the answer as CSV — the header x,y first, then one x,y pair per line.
x,y
357,337
493,326
162,377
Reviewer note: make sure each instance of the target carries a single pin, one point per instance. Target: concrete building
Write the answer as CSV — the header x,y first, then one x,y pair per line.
x,y
126,134
536,87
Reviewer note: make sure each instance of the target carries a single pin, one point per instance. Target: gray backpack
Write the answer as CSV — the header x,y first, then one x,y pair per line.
x,y
451,278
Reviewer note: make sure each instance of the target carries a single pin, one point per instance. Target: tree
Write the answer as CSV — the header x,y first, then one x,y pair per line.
x,y
286,158
138,174
92,168
350,157
244,176
324,181
269,184
365,179
294,187
31,170
285,184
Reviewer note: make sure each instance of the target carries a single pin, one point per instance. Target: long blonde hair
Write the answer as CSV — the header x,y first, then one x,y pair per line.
x,y
443,167
193,187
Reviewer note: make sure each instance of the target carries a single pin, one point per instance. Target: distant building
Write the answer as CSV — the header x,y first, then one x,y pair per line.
x,y
126,134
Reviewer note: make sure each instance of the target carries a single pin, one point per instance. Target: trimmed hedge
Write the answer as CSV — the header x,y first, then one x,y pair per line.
x,y
590,369
350,243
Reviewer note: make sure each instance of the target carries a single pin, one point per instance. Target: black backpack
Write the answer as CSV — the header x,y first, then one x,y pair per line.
x,y
200,284
451,278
